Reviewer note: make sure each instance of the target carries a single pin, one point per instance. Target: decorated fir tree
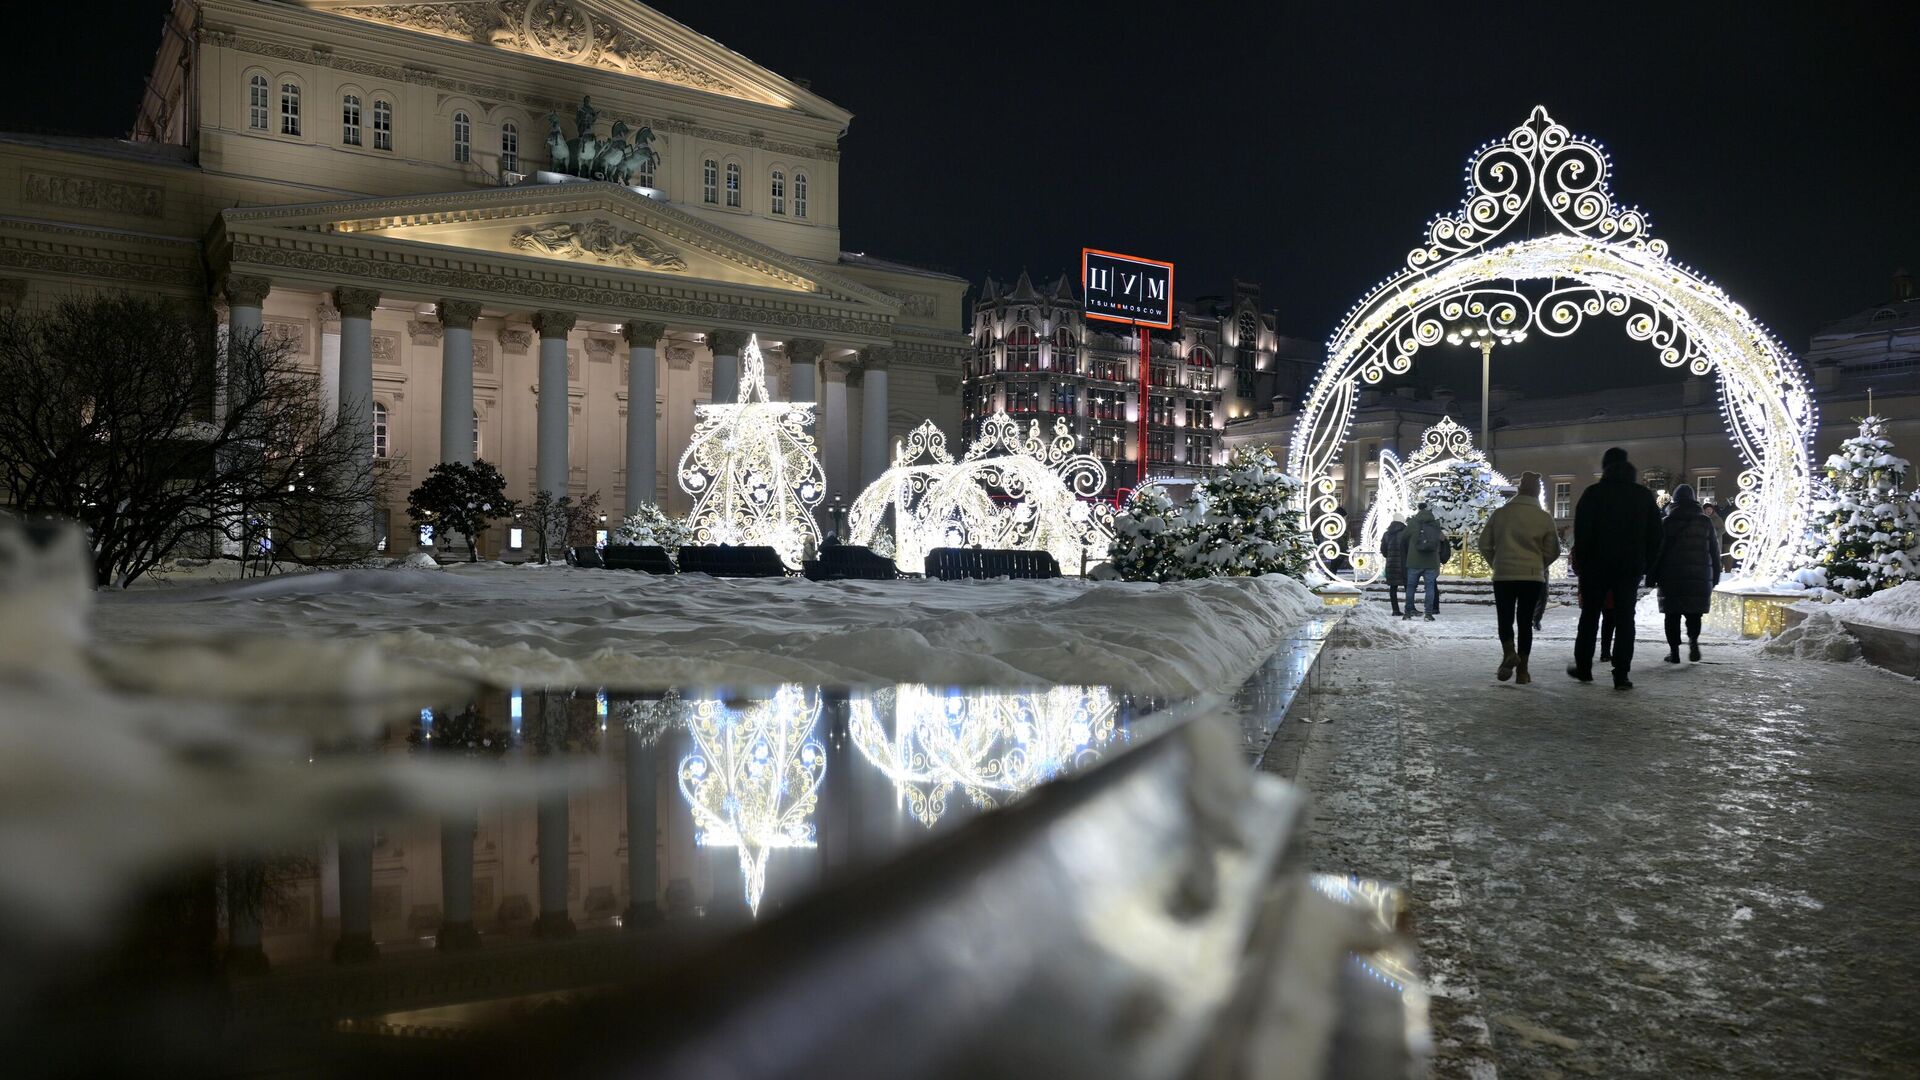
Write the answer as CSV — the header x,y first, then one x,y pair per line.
x,y
1461,497
1866,534
649,526
1242,523
1147,537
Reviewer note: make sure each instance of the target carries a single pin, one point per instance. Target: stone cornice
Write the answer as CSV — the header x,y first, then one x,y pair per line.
x,y
88,262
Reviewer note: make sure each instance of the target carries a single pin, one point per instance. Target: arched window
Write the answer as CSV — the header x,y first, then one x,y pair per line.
x,y
1023,349
379,430
733,185
1064,359
462,137
710,181
382,124
476,435
799,194
1245,353
290,108
350,120
777,192
643,176
509,148
257,103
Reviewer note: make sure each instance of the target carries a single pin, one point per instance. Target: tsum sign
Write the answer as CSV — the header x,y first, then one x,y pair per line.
x,y
1127,289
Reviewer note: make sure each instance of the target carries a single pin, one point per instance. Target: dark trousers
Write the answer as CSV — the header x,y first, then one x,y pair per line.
x,y
1393,590
1540,603
1673,629
1516,598
1593,597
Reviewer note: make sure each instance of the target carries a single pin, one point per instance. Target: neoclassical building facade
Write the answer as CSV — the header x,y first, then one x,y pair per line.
x,y
380,187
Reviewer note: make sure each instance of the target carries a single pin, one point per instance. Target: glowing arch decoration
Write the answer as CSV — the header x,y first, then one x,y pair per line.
x,y
1539,244
752,470
1009,491
992,746
1399,486
753,778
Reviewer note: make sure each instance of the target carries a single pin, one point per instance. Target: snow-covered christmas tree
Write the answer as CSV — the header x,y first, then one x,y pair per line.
x,y
1147,537
1241,523
1866,536
1461,497
650,526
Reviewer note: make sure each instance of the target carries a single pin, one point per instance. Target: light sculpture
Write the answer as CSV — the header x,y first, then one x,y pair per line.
x,y
1400,483
1009,491
990,745
753,778
1487,264
752,470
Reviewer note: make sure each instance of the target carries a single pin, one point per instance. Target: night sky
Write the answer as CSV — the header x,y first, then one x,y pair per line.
x,y
1300,147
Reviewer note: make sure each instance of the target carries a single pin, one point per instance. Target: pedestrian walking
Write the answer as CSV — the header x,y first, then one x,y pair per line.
x,y
1687,570
1607,620
1426,548
1616,540
1519,543
1393,548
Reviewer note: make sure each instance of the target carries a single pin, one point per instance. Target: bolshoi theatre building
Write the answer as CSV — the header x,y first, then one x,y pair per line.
x,y
446,212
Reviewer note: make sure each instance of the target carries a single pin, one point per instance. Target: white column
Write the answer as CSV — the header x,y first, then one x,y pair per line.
x,y
356,371
873,417
329,319
244,294
726,346
679,420
550,470
456,380
643,389
803,359
833,433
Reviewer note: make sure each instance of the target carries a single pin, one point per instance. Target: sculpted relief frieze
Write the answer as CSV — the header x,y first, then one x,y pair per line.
x,y
600,241
87,193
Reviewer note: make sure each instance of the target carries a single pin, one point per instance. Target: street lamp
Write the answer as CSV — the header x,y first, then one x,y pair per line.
x,y
1485,338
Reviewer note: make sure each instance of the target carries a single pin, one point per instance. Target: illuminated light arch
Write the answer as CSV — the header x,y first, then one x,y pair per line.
x,y
1598,261
1440,445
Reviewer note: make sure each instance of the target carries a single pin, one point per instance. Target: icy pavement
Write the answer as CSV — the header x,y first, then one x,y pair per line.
x,y
1712,874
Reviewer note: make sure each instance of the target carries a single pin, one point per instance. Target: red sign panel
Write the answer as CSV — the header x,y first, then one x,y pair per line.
x,y
1126,289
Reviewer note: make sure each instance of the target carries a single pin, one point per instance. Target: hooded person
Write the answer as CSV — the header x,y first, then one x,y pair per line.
x,y
1425,549
1519,542
1393,550
1687,570
1616,541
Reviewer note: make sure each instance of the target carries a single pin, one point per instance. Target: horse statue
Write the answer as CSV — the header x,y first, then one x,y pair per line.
x,y
606,165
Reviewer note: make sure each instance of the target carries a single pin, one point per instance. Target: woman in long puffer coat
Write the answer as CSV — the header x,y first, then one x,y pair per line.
x,y
1393,548
1686,571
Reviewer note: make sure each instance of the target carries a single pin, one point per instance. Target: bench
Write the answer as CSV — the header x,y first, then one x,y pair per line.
x,y
954,564
726,560
646,558
843,562
586,558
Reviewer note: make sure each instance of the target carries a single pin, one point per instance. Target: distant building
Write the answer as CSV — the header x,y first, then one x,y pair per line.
x,y
1038,357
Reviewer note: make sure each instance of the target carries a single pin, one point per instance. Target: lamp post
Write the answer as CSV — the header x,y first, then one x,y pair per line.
x,y
1485,338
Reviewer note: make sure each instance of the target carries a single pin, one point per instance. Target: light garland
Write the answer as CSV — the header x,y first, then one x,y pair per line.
x,y
1601,262
1007,492
990,745
752,470
753,779
1440,446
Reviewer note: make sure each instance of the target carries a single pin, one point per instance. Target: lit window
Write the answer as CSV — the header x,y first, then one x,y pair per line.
x,y
777,192
426,536
289,108
476,435
733,186
799,194
350,120
462,137
1064,357
1563,499
257,103
643,176
710,181
1023,349
382,125
509,148
1706,488
379,430
516,537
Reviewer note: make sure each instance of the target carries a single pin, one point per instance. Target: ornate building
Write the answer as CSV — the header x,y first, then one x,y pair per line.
x,y
1037,356
388,188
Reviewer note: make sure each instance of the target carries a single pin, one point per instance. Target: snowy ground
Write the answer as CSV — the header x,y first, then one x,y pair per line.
x,y
561,626
1711,874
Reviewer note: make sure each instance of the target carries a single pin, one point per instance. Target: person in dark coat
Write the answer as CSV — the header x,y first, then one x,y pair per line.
x,y
1687,570
1393,547
1616,541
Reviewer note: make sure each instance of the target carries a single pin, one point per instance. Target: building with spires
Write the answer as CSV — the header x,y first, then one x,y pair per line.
x,y
1036,356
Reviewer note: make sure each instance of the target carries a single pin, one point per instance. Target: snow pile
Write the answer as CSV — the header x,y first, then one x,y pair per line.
x,y
1370,625
1819,636
1897,608
568,627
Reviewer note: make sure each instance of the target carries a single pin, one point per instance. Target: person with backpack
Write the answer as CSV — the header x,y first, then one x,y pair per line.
x,y
1427,547
1687,570
1616,541
1393,549
1519,543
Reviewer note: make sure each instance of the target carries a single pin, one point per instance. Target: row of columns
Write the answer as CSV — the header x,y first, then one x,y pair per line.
x,y
350,355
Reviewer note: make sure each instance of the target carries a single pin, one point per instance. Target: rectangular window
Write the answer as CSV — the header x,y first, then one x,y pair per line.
x,y
1199,449
257,103
1160,410
1159,446
1563,498
382,125
516,537
777,192
733,186
1199,414
799,195
289,108
350,120
1064,400
710,181
1108,445
1706,488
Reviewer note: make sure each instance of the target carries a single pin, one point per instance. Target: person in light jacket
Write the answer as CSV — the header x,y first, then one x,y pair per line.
x,y
1519,542
1393,549
1687,570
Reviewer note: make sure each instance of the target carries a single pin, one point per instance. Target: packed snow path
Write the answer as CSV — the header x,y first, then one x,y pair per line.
x,y
1711,874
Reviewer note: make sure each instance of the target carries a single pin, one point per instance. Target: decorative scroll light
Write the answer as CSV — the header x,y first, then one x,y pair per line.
x,y
752,470
1487,264
1440,446
1007,492
991,746
753,779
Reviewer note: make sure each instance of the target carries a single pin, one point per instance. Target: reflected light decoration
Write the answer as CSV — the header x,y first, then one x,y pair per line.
x,y
992,746
752,470
1031,493
753,778
1594,259
1399,484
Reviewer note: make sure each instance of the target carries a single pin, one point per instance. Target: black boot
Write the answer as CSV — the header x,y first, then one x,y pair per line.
x,y
1673,654
1693,651
1580,673
1621,682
